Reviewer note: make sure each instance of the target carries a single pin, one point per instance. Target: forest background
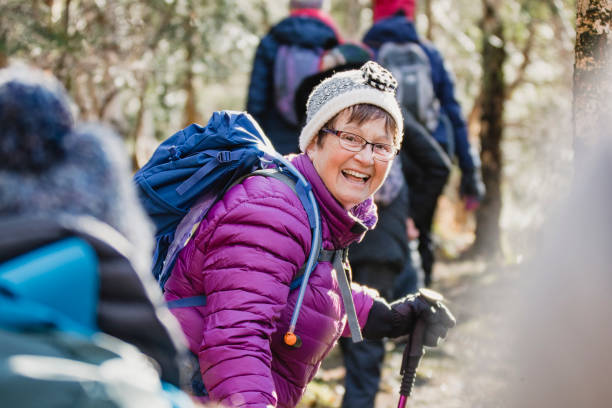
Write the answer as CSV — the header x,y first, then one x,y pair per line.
x,y
150,68
534,80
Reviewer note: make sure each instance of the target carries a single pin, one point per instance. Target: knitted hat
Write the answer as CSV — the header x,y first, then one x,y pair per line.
x,y
385,8
372,84
92,179
35,116
301,4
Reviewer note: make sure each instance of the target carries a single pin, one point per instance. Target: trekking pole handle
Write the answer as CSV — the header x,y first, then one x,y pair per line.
x,y
414,350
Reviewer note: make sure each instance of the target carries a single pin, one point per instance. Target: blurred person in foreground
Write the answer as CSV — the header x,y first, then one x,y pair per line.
x,y
393,23
58,180
307,27
562,326
251,244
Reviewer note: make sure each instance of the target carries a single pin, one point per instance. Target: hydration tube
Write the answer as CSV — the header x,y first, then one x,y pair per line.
x,y
291,339
304,194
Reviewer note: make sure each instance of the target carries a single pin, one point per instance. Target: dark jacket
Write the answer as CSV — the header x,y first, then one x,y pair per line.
x,y
387,243
299,30
399,29
426,169
130,305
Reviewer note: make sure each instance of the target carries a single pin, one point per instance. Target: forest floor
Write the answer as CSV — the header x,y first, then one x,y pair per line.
x,y
467,370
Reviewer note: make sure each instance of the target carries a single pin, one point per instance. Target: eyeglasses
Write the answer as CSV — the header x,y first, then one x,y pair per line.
x,y
355,143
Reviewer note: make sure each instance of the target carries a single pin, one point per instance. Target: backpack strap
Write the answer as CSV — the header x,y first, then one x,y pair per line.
x,y
339,258
343,275
324,255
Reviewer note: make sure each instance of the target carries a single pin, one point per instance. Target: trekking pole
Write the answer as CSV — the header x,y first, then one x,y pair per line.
x,y
414,350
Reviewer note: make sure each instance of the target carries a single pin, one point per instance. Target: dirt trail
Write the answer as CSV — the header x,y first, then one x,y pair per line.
x,y
467,371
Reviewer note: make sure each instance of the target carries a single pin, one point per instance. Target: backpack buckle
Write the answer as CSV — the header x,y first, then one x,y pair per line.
x,y
224,156
174,153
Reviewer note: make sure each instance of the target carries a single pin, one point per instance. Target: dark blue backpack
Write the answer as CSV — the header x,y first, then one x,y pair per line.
x,y
192,169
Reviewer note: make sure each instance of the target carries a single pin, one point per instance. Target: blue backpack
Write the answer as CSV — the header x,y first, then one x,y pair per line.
x,y
191,171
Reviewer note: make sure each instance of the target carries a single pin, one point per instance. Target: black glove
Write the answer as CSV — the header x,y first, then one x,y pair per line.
x,y
399,318
472,185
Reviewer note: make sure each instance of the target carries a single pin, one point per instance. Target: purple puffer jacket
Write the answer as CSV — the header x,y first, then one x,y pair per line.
x,y
243,257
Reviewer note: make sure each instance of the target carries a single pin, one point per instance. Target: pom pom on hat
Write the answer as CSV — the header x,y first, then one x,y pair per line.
x,y
372,84
35,116
92,179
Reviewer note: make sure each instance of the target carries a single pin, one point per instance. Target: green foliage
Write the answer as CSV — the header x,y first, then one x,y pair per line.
x,y
120,57
134,63
537,152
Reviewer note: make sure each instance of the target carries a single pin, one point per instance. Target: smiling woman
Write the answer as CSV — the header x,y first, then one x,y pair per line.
x,y
249,249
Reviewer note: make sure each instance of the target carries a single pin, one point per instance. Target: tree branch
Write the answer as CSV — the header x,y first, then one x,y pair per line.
x,y
526,52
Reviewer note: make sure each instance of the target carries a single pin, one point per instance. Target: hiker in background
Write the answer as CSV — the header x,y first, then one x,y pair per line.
x,y
290,51
392,37
250,246
58,181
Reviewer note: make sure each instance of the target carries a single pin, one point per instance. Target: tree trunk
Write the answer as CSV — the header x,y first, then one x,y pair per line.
x,y
137,133
491,129
348,17
430,22
190,113
592,74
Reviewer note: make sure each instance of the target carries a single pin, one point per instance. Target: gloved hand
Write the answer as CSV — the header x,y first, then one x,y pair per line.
x,y
472,185
399,318
412,232
406,312
471,203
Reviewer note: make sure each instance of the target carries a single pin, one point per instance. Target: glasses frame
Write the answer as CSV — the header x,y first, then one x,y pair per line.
x,y
375,155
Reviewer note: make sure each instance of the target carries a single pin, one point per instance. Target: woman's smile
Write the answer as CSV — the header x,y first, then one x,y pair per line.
x,y
354,176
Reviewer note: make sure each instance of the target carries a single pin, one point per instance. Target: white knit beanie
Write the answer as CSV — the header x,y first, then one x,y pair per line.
x,y
372,84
